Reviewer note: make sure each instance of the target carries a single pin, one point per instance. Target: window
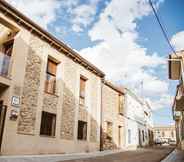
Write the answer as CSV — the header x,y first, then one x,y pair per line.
x,y
120,103
50,84
5,56
143,139
109,130
129,136
82,130
8,48
48,124
82,90
145,113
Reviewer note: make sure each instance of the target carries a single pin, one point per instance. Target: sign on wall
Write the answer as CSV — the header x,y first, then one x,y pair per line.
x,y
15,101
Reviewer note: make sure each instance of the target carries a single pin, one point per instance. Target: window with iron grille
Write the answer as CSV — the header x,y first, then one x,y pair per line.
x,y
82,130
48,124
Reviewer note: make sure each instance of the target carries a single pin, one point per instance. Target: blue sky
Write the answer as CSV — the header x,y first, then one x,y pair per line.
x,y
122,37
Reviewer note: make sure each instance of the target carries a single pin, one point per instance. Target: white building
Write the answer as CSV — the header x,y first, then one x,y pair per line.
x,y
138,121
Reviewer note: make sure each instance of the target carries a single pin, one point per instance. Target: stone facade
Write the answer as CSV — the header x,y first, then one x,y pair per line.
x,y
83,113
31,51
112,119
50,103
93,134
29,100
69,103
68,115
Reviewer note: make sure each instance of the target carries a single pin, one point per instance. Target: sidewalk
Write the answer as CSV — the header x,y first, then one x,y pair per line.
x,y
56,157
154,154
175,156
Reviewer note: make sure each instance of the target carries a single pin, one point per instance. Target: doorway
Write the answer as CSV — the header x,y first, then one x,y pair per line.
x,y
140,141
3,109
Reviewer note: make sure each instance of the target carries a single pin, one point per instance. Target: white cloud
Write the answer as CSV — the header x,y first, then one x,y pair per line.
x,y
45,12
177,40
83,15
41,11
164,101
118,54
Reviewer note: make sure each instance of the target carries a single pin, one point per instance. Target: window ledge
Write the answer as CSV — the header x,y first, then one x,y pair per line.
x,y
82,140
47,136
120,114
53,94
83,106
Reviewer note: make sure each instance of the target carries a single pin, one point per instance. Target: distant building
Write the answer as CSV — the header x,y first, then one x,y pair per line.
x,y
165,132
138,121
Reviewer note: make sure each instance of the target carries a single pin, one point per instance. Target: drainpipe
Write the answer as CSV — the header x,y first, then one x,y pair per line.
x,y
101,117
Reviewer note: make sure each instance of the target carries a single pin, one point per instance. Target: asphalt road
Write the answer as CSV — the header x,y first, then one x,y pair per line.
x,y
155,154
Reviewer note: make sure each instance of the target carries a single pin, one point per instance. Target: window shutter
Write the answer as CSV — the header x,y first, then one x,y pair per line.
x,y
51,67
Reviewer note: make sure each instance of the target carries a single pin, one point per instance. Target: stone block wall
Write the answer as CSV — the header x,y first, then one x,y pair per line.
x,y
110,99
93,132
50,103
26,124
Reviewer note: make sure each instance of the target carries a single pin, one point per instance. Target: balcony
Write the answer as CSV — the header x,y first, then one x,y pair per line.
x,y
50,84
176,115
5,62
179,99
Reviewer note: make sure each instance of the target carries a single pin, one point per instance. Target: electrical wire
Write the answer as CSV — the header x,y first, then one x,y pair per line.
x,y
162,28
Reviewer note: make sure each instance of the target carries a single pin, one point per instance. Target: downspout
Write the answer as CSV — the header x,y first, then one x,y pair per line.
x,y
101,117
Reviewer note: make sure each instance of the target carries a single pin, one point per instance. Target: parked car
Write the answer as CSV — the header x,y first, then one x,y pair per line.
x,y
158,141
165,140
172,142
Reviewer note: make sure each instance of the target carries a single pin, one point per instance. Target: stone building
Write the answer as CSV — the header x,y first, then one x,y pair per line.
x,y
112,117
165,133
50,98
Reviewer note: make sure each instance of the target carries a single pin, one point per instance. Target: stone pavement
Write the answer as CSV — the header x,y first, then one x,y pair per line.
x,y
155,154
175,156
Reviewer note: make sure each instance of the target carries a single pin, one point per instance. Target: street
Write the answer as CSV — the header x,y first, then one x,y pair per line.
x,y
155,154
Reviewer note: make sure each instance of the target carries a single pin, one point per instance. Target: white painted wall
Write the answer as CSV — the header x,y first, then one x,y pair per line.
x,y
135,120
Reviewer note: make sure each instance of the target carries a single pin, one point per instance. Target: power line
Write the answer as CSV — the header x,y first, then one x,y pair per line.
x,y
162,28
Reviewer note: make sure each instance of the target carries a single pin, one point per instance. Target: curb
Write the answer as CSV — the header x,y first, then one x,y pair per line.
x,y
165,159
